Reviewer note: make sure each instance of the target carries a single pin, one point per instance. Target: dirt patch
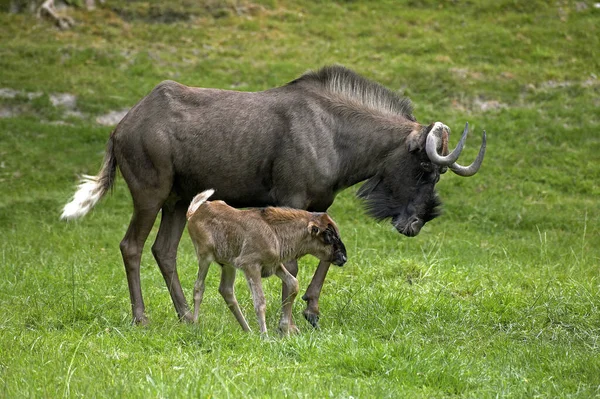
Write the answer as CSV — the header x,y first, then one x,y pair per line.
x,y
489,105
478,104
183,11
554,84
152,14
464,73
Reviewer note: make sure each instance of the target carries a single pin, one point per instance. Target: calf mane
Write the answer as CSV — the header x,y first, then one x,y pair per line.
x,y
280,214
355,88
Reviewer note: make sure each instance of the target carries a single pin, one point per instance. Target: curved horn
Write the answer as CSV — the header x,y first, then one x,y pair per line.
x,y
470,170
433,143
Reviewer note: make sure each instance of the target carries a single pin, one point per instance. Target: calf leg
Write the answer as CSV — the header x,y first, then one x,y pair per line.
x,y
131,250
292,268
165,252
291,283
311,313
226,289
203,264
258,297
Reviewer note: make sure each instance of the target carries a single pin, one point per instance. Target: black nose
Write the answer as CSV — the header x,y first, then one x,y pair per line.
x,y
410,228
340,259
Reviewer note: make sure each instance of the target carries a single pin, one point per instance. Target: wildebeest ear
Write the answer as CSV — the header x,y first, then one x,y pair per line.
x,y
415,141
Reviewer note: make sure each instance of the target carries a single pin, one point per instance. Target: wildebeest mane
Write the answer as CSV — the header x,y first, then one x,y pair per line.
x,y
380,206
347,83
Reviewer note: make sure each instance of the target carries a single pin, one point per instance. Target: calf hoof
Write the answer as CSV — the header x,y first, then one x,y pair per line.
x,y
140,321
312,318
286,329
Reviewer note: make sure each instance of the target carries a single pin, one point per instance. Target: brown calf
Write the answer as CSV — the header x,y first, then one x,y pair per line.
x,y
258,241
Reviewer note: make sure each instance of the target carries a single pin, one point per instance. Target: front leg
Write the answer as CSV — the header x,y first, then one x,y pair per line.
x,y
258,297
291,284
292,268
311,313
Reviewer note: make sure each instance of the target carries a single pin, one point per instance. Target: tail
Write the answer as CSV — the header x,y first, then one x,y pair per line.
x,y
197,201
92,188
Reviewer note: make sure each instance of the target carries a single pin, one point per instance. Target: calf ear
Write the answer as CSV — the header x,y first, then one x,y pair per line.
x,y
313,229
326,220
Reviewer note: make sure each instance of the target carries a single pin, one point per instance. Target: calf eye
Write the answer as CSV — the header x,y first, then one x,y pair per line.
x,y
327,237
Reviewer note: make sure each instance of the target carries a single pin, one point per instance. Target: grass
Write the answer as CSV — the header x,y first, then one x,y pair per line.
x,y
498,297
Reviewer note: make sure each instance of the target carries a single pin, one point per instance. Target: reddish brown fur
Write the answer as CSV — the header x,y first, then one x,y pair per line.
x,y
258,241
444,143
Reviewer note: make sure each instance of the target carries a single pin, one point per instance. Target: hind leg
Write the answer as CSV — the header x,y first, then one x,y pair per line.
x,y
144,157
203,264
131,250
164,250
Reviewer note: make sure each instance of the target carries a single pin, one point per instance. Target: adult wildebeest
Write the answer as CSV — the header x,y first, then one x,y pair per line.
x,y
297,145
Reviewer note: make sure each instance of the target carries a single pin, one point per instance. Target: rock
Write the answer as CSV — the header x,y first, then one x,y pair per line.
x,y
8,112
34,94
8,93
65,100
112,118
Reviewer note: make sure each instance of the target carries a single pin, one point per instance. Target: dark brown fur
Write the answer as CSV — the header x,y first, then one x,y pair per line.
x,y
297,145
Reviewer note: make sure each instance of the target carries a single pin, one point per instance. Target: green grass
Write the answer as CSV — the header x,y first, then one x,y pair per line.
x,y
498,297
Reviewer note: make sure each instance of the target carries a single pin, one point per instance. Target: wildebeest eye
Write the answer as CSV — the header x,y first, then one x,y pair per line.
x,y
427,166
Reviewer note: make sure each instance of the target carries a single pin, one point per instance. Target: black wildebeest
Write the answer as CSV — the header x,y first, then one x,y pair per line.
x,y
297,145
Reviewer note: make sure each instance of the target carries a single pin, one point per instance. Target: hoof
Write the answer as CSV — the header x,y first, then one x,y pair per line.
x,y
265,336
312,318
187,318
140,321
288,330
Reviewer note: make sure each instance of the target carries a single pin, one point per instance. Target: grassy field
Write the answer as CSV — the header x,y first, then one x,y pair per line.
x,y
498,297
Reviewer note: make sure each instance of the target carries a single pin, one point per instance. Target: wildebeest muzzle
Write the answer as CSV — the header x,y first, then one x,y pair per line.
x,y
410,227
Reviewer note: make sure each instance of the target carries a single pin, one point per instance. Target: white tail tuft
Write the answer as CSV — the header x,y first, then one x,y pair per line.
x,y
88,193
197,201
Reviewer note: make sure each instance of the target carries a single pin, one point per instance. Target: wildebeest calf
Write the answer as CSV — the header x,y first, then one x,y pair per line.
x,y
258,241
